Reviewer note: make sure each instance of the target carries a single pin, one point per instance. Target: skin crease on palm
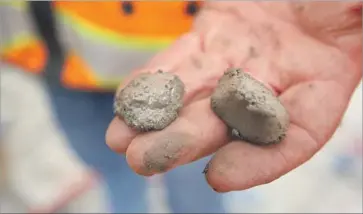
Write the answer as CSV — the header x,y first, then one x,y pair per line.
x,y
308,53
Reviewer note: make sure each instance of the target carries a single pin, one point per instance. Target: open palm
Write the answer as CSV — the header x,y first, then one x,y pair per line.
x,y
305,52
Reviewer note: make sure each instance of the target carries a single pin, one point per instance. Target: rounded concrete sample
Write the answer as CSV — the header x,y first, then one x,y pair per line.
x,y
150,101
250,109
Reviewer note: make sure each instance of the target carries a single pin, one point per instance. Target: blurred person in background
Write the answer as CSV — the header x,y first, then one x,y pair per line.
x,y
38,169
95,46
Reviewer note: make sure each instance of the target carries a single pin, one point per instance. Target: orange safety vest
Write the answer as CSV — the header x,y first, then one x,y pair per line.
x,y
19,42
105,41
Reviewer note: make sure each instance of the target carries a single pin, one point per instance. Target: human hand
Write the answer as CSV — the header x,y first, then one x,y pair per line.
x,y
308,53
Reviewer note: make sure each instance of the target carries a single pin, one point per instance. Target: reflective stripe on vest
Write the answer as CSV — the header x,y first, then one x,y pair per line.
x,y
20,43
105,41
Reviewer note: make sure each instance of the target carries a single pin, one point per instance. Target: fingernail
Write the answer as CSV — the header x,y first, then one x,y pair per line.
x,y
218,191
206,168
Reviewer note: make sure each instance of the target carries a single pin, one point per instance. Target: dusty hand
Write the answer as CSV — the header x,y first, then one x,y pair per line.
x,y
309,54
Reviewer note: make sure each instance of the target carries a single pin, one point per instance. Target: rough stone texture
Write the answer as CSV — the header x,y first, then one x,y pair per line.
x,y
150,101
250,109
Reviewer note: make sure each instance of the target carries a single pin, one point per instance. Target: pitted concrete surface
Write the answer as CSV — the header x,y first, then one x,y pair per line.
x,y
150,101
249,108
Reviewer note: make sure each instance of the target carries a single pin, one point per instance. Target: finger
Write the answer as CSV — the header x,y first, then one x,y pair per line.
x,y
195,134
240,165
119,135
315,109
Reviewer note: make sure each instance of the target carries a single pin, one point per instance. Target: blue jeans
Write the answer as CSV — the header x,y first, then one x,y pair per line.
x,y
84,117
